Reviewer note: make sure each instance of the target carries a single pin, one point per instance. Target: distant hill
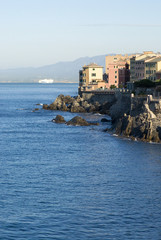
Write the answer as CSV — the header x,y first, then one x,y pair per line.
x,y
60,72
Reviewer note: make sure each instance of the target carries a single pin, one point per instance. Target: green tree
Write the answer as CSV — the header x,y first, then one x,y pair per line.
x,y
112,86
145,83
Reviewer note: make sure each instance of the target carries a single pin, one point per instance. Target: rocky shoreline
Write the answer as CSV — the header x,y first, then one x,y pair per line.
x,y
142,122
75,121
132,117
77,105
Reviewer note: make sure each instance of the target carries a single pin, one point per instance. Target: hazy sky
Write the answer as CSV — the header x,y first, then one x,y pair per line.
x,y
41,32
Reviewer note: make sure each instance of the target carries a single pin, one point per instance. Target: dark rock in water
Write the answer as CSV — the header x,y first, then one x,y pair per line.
x,y
59,119
72,104
52,107
105,120
78,121
45,106
36,109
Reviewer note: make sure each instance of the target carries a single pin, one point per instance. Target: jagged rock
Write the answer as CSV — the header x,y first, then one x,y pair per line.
x,y
105,120
68,99
35,109
85,104
59,119
52,106
72,104
79,99
159,132
45,106
64,107
142,127
92,108
142,121
75,109
78,121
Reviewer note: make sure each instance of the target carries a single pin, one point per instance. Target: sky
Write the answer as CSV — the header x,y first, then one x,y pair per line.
x,y
41,32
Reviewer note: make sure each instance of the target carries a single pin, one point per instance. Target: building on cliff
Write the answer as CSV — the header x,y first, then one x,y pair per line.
x,y
117,58
119,74
91,78
145,66
152,67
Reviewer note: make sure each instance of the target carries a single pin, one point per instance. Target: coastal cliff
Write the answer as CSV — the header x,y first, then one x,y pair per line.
x,y
134,117
141,120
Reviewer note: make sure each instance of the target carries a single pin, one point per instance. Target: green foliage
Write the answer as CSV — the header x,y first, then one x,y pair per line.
x,y
112,86
121,86
145,83
158,82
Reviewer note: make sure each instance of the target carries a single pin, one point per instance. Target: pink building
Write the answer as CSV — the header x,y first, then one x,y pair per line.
x,y
119,74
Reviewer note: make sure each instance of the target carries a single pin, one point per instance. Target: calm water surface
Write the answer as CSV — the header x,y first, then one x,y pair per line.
x,y
71,183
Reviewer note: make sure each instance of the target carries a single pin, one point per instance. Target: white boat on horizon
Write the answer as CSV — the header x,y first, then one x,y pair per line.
x,y
46,80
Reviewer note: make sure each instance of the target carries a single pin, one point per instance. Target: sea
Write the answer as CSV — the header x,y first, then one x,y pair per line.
x,y
64,182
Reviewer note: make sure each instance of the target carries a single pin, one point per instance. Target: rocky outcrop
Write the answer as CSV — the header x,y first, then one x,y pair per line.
x,y
79,121
105,120
76,121
59,119
141,123
121,106
134,117
76,105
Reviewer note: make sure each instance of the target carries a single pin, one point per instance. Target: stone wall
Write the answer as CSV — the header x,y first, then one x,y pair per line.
x,y
99,96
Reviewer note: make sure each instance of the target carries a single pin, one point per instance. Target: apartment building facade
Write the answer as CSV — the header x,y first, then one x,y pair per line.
x,y
119,74
91,77
152,67
117,58
144,66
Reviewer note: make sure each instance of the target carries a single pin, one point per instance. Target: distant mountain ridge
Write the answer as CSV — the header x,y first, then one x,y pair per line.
x,y
60,72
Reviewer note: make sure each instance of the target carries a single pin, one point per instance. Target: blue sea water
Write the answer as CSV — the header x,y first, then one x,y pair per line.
x,y
72,183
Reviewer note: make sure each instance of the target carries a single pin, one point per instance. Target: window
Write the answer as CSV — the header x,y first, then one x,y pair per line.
x,y
115,76
93,69
115,81
115,71
93,74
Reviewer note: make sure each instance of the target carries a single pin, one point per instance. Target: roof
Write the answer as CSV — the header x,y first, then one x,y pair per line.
x,y
118,63
92,65
143,59
154,60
